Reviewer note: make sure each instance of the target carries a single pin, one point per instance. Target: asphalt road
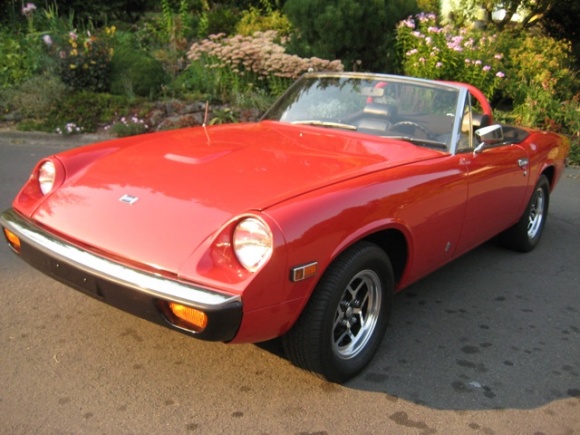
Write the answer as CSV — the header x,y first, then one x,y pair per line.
x,y
487,345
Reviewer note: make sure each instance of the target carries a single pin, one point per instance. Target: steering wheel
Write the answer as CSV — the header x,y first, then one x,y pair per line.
x,y
424,129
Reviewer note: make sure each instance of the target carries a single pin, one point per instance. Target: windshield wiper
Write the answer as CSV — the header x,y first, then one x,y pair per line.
x,y
330,124
421,142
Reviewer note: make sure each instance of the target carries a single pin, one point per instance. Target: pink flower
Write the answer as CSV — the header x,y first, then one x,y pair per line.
x,y
500,75
47,40
28,9
409,22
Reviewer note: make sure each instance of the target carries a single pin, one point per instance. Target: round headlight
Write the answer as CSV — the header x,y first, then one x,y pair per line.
x,y
253,243
46,177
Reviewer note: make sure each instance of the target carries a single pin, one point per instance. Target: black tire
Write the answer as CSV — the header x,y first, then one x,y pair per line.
x,y
345,320
525,235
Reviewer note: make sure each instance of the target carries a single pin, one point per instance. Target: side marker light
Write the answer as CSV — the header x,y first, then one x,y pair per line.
x,y
302,272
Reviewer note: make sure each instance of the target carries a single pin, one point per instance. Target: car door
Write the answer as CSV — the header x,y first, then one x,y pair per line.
x,y
497,178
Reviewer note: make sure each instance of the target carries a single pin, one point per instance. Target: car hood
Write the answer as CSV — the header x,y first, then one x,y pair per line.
x,y
155,198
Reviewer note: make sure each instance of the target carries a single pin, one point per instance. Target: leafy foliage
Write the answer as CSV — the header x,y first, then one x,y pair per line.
x,y
544,88
21,57
447,53
86,110
84,59
254,20
136,72
36,96
358,33
128,126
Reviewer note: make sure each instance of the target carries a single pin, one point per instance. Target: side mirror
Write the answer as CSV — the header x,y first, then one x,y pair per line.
x,y
490,135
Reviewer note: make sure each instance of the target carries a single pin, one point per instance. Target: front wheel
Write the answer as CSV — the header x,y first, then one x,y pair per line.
x,y
343,324
525,235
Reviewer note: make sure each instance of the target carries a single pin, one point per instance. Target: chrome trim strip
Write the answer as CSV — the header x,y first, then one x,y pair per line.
x,y
145,282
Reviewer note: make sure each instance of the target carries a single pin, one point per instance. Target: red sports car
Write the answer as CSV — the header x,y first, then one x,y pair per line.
x,y
300,226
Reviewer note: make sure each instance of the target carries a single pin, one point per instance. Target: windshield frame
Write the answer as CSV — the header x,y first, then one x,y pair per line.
x,y
275,113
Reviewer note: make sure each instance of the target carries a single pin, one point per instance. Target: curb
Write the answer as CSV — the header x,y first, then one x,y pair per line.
x,y
40,138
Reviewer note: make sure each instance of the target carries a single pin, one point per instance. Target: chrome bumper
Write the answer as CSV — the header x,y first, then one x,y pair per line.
x,y
128,288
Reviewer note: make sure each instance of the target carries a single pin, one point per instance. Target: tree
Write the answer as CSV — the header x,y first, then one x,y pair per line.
x,y
358,33
562,19
532,12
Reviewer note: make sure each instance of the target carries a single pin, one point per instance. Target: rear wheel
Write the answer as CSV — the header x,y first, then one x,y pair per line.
x,y
343,324
526,234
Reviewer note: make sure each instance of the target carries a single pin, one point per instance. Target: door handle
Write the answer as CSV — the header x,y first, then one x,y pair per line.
x,y
523,162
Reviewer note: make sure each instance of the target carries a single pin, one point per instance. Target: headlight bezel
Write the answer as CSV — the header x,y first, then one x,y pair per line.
x,y
252,242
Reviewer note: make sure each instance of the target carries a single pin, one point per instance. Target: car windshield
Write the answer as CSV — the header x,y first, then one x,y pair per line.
x,y
419,111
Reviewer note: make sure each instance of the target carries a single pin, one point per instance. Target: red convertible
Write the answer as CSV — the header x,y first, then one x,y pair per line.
x,y
300,226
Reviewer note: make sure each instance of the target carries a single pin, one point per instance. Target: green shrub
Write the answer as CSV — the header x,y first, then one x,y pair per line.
x,y
218,19
86,110
358,33
575,151
35,97
253,20
135,72
83,58
20,58
542,85
128,126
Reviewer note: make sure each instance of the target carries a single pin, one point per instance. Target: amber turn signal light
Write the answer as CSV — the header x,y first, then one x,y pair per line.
x,y
302,272
190,318
13,240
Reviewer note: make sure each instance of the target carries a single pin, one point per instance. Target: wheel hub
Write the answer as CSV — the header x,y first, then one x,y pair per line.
x,y
357,314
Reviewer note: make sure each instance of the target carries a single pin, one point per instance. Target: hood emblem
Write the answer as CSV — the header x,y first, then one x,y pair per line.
x,y
129,199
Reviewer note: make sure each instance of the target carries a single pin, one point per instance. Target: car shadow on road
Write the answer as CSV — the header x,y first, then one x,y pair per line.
x,y
488,331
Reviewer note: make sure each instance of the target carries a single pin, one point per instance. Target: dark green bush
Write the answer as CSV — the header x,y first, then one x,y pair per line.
x,y
359,33
87,110
35,97
87,66
218,19
135,72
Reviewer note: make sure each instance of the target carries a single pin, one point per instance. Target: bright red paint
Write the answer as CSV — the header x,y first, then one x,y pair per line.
x,y
320,190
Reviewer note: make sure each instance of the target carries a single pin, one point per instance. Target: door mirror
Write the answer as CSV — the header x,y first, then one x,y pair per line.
x,y
490,135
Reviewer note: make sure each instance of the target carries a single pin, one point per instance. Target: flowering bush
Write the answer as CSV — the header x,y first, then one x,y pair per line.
x,y
128,126
84,59
544,83
69,128
433,52
256,59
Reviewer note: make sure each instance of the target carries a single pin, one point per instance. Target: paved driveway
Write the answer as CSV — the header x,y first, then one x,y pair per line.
x,y
487,345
